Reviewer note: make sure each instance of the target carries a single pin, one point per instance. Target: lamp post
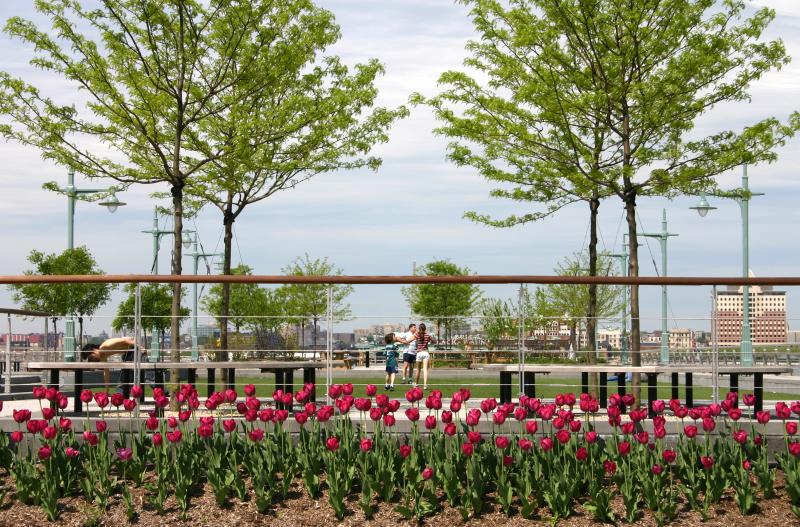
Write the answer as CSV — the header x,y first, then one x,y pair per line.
x,y
662,237
155,346
112,204
742,196
192,241
623,271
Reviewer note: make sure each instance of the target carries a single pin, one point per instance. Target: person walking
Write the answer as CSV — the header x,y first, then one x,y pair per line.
x,y
391,361
410,352
423,340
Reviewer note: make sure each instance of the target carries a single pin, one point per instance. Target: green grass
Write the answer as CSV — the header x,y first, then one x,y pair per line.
x,y
481,386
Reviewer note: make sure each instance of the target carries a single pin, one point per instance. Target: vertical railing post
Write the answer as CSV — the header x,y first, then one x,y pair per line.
x,y
714,347
8,358
137,328
329,340
521,338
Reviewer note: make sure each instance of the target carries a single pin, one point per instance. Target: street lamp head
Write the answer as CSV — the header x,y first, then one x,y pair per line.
x,y
703,206
187,240
112,203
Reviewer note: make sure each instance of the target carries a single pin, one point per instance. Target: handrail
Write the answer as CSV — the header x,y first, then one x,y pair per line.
x,y
344,279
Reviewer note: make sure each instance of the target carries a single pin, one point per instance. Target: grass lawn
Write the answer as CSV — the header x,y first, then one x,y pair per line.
x,y
481,386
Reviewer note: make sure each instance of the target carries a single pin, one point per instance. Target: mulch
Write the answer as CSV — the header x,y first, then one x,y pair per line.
x,y
300,511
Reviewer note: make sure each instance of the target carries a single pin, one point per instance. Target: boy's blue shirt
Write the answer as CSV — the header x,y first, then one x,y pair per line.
x,y
391,355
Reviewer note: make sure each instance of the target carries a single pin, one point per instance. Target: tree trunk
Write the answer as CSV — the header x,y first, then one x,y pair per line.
x,y
80,332
177,269
222,353
591,314
633,270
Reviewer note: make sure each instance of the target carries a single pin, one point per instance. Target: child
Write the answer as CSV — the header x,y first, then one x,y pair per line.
x,y
391,361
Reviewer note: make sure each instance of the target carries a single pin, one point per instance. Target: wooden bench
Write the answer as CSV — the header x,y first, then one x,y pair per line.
x,y
652,372
283,370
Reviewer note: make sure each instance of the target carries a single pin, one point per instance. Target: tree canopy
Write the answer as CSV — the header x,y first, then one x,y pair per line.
x,y
443,304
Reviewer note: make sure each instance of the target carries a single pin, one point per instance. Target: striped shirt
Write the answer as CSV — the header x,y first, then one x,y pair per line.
x,y
423,339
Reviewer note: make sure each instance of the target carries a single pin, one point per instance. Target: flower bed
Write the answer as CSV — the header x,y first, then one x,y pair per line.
x,y
540,460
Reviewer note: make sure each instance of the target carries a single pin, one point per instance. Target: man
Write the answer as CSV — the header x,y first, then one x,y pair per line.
x,y
410,353
117,346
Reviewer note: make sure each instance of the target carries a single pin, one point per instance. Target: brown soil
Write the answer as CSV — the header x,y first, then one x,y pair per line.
x,y
298,510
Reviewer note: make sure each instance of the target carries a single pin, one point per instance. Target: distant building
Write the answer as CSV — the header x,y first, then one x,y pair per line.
x,y
767,316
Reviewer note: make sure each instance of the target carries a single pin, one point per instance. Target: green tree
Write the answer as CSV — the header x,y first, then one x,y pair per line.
x,y
310,119
501,318
571,301
61,300
156,307
646,71
270,318
306,302
242,302
154,74
443,303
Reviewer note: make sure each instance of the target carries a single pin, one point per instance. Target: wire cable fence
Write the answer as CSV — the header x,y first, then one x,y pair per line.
x,y
461,359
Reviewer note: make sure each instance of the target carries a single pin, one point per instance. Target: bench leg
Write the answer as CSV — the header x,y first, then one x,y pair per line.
x,y
230,378
758,391
54,383
310,376
191,377
279,385
505,387
734,384
603,390
689,390
288,386
584,382
142,384
78,404
529,383
211,381
652,392
676,394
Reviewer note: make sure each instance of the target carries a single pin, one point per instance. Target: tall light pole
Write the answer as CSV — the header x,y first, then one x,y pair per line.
x,y
192,241
742,196
623,271
662,237
112,204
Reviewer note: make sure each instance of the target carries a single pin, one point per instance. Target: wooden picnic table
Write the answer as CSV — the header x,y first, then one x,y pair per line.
x,y
652,372
283,370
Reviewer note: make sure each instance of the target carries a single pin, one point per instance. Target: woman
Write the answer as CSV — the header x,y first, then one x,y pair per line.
x,y
423,355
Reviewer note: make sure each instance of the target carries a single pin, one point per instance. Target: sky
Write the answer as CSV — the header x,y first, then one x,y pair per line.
x,y
411,209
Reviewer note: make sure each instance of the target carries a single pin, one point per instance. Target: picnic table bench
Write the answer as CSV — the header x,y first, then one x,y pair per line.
x,y
283,370
652,372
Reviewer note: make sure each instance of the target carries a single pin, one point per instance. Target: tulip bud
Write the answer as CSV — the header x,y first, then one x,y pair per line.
x,y
157,439
467,449
405,451
427,473
100,426
657,469
371,390
669,456
430,422
610,467
624,448
707,462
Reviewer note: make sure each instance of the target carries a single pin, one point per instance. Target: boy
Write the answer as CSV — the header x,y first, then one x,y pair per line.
x,y
391,361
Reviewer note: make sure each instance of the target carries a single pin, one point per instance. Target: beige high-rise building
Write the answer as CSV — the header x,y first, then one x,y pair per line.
x,y
767,316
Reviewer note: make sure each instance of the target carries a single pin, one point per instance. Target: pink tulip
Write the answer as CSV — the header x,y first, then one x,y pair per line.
x,y
430,422
389,420
175,436
467,449
749,399
707,462
124,453
690,431
531,427
49,432
405,451
447,416
546,444
100,426
657,469
501,442
72,452
762,417
474,437
16,436
45,452
371,390
366,445
581,454
450,429
563,436
791,427
157,439
669,456
624,448
610,467
427,473
229,425
256,435
525,444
